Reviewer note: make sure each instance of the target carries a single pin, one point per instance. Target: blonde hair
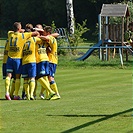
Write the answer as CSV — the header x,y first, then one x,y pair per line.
x,y
28,27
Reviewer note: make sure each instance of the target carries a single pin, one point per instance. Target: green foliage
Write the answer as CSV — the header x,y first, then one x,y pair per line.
x,y
53,26
130,6
128,35
115,20
45,11
76,38
118,20
61,42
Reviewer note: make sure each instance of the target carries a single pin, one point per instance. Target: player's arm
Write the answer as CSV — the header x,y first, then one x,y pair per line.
x,y
45,38
35,33
38,29
55,34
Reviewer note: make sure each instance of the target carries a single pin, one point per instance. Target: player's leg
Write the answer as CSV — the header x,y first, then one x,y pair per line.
x,y
7,82
26,88
44,90
17,87
32,75
42,71
32,88
17,71
34,93
9,71
7,86
45,85
46,94
12,89
23,93
53,85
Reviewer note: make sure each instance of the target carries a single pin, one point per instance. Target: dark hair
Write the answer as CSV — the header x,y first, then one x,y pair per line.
x,y
28,27
16,26
48,29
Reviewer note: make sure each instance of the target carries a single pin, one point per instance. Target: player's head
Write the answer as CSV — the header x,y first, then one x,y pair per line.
x,y
47,30
28,27
130,26
39,26
17,26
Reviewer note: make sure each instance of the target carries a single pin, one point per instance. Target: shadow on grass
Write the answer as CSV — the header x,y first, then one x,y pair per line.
x,y
104,117
130,131
3,99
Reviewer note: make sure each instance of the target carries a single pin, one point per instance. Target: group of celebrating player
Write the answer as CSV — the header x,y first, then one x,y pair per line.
x,y
30,53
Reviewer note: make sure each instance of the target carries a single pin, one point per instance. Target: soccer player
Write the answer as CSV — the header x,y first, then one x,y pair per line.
x,y
39,26
29,63
42,61
7,93
14,61
53,59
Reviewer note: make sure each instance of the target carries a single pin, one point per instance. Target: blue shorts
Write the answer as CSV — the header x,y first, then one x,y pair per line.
x,y
14,66
52,69
29,70
4,71
43,69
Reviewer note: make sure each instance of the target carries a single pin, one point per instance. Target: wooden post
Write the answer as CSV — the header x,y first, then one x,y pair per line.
x,y
122,33
103,37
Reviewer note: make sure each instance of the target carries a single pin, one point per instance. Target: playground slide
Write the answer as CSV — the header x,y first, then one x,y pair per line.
x,y
89,52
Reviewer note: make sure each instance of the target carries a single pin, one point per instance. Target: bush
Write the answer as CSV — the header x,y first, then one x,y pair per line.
x,y
73,40
76,38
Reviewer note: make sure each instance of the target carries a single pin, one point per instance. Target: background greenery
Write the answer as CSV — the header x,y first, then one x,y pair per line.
x,y
46,11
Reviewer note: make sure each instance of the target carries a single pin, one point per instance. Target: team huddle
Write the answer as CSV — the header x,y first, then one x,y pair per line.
x,y
30,53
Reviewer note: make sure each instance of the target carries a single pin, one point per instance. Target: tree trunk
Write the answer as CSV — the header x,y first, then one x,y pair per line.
x,y
70,16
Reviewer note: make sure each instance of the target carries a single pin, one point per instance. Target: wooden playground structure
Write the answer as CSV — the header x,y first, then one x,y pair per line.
x,y
113,23
112,32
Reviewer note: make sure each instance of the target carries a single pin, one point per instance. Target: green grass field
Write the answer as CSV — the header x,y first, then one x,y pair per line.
x,y
94,99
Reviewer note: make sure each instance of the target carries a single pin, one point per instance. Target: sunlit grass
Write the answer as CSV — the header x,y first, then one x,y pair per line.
x,y
94,99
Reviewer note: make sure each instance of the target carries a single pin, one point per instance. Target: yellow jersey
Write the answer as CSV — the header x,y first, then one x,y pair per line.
x,y
29,50
16,43
5,55
53,58
41,54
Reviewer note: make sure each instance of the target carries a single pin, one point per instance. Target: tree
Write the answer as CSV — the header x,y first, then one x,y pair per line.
x,y
70,16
